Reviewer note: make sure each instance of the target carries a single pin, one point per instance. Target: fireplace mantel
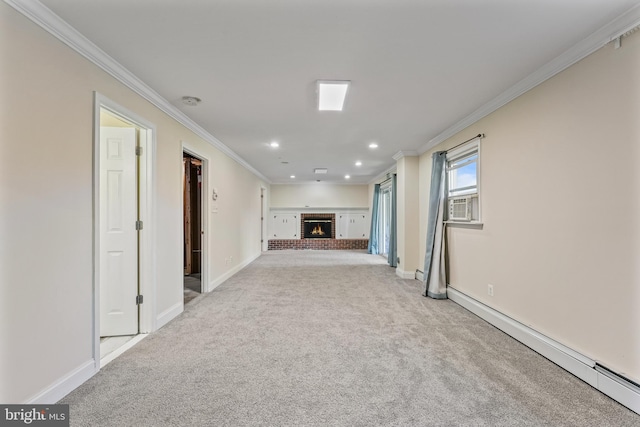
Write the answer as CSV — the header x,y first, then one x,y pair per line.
x,y
308,209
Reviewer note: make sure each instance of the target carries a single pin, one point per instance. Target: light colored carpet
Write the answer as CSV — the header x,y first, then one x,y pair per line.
x,y
333,338
191,289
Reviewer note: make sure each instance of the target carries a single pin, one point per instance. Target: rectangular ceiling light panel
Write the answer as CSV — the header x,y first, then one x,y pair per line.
x,y
331,94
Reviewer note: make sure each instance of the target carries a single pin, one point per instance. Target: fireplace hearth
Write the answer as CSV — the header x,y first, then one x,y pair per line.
x,y
317,228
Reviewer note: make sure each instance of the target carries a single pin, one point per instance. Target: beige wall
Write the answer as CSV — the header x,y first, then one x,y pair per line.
x,y
560,189
319,195
46,207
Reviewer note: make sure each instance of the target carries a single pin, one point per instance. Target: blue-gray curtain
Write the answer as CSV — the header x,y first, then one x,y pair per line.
x,y
393,241
435,280
375,226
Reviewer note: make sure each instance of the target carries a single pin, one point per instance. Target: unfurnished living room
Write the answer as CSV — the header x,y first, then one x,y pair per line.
x,y
320,213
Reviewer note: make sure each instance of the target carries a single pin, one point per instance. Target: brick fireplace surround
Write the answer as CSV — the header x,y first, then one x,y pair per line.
x,y
321,243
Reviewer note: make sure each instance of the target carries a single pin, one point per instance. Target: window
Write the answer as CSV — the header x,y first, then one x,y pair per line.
x,y
462,183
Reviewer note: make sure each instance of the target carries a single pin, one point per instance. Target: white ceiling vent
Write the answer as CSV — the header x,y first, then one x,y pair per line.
x,y
320,170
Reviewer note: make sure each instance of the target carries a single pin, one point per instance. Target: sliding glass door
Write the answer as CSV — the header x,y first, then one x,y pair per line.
x,y
385,219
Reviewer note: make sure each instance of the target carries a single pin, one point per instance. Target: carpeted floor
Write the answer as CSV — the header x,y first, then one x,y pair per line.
x,y
191,288
333,338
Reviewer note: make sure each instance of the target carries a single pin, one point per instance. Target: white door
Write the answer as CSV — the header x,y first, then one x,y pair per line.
x,y
118,235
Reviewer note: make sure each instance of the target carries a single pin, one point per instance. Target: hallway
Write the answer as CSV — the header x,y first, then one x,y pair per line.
x,y
333,338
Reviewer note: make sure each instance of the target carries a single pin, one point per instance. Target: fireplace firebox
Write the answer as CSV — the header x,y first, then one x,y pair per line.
x,y
317,228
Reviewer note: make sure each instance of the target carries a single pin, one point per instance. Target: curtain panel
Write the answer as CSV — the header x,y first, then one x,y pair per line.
x,y
393,240
435,280
375,222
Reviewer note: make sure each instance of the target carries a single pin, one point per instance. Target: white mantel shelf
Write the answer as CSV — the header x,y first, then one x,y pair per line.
x,y
308,209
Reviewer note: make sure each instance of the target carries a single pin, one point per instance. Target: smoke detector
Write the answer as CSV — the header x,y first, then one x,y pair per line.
x,y
192,101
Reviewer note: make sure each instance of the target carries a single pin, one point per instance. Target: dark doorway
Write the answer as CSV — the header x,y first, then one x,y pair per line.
x,y
192,219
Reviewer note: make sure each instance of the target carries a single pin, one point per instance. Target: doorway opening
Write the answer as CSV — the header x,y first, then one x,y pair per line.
x,y
192,183
123,155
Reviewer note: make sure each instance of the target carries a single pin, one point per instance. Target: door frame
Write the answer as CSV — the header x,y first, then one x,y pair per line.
x,y
264,235
191,150
147,260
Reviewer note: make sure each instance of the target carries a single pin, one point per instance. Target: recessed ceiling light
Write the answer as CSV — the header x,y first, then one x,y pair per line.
x,y
347,176
292,176
320,170
373,145
358,163
274,144
331,94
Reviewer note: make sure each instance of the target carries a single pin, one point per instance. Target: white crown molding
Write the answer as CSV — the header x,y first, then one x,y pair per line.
x,y
595,41
384,175
52,23
400,154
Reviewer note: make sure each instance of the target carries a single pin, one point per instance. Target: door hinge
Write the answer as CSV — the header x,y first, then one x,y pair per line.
x,y
139,299
139,225
138,150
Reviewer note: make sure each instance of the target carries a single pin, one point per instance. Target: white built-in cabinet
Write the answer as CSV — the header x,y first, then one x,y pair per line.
x,y
352,226
350,223
285,226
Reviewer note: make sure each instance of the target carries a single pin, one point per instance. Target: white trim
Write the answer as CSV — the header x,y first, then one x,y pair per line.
x,y
65,385
221,279
169,314
289,210
619,390
205,211
406,153
147,213
383,176
264,225
148,265
578,364
49,21
405,274
586,47
120,350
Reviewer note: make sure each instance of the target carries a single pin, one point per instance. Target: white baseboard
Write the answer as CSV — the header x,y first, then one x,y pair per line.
x,y
65,385
405,274
118,352
579,365
74,379
221,279
169,314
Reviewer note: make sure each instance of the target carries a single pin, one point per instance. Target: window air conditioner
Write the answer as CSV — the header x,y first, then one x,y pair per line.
x,y
460,209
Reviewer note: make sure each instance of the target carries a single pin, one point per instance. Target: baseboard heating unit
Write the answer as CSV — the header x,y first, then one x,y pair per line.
x,y
616,386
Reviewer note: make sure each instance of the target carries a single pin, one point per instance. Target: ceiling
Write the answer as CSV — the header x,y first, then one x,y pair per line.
x,y
417,67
